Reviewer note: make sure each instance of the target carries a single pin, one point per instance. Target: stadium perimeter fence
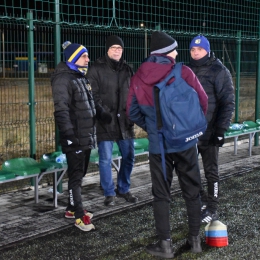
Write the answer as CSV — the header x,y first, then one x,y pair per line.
x,y
30,47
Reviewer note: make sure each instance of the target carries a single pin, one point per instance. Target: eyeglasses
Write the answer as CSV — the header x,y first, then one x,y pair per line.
x,y
116,48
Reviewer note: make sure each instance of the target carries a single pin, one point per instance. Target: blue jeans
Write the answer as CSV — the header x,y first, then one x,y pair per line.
x,y
126,148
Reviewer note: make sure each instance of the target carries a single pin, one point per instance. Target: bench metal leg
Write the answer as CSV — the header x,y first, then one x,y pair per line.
x,y
36,190
235,145
61,174
56,181
55,200
251,136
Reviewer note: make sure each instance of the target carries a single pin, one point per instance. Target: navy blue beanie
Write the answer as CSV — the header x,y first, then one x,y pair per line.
x,y
73,51
200,41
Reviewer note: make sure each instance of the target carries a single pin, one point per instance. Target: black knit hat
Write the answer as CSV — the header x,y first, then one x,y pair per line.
x,y
162,43
114,40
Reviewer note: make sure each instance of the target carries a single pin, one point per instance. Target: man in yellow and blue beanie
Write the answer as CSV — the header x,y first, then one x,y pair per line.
x,y
75,115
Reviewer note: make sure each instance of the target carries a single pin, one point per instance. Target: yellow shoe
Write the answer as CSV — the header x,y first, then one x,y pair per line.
x,y
71,214
84,223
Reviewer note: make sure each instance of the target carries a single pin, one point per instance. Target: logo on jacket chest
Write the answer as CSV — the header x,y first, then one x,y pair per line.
x,y
88,87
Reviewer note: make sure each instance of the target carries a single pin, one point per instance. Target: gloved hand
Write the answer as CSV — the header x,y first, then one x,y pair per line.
x,y
217,139
105,117
69,139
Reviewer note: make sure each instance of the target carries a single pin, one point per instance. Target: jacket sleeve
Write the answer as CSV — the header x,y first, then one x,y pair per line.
x,y
62,95
224,90
133,109
192,80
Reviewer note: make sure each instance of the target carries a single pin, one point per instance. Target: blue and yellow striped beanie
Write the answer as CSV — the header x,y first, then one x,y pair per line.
x,y
73,51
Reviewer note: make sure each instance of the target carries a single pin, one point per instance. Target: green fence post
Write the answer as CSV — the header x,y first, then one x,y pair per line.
x,y
31,102
57,59
257,95
238,61
158,27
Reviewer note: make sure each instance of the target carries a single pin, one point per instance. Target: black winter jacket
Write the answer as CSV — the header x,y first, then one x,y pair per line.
x,y
218,85
74,108
110,85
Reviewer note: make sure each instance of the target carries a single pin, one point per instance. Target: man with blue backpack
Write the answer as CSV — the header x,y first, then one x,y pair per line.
x,y
169,149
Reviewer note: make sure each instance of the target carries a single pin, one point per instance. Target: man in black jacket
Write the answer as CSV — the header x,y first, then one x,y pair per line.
x,y
75,116
110,79
217,83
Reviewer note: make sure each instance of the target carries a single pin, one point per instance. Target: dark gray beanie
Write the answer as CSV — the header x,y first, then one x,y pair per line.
x,y
114,40
162,43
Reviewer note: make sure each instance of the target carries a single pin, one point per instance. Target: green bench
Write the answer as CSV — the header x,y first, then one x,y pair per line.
x,y
116,158
140,148
23,168
249,128
49,165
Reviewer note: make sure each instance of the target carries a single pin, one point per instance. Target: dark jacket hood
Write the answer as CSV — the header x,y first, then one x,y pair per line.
x,y
155,68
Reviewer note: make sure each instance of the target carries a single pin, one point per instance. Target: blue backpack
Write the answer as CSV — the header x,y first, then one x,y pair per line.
x,y
179,115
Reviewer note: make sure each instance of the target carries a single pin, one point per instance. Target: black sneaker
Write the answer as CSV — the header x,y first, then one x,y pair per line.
x,y
194,243
127,196
208,216
109,201
162,248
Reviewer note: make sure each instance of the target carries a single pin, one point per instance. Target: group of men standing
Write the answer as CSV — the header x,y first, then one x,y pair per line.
x,y
101,105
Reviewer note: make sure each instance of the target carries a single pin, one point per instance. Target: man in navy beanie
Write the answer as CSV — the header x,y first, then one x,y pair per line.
x,y
217,83
72,97
109,77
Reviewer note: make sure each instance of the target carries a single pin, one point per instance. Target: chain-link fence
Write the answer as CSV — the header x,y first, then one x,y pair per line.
x,y
231,26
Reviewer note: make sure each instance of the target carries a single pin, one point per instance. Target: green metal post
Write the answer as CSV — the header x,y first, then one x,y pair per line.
x,y
238,59
57,59
257,95
57,56
158,27
31,102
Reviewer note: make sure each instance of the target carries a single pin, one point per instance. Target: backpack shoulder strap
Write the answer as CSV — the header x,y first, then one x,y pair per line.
x,y
177,69
175,73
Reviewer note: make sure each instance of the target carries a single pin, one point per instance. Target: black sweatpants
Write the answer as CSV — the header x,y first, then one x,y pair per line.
x,y
77,168
209,155
186,166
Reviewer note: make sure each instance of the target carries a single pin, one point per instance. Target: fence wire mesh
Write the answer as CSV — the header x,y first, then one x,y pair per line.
x,y
216,17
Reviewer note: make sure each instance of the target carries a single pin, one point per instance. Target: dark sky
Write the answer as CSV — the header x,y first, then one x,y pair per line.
x,y
218,16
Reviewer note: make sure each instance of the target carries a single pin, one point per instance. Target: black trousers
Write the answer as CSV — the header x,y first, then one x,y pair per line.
x,y
209,155
186,166
77,168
